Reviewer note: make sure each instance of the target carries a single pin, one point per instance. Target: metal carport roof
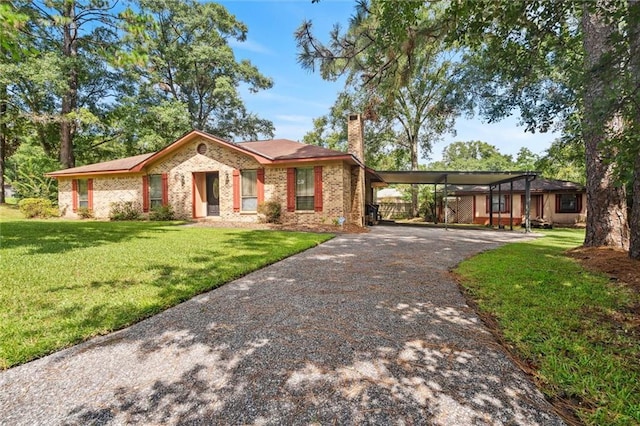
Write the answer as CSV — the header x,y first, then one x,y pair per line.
x,y
454,177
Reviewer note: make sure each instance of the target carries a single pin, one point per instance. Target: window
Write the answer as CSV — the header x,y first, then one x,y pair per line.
x,y
83,193
155,191
500,203
304,189
249,190
568,203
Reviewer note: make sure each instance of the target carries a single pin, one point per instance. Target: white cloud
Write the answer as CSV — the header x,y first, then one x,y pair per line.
x,y
250,46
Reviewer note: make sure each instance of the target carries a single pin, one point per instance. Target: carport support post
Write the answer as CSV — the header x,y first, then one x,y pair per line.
x,y
446,205
435,203
511,206
527,205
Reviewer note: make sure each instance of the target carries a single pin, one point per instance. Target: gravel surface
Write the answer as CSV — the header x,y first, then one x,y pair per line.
x,y
364,329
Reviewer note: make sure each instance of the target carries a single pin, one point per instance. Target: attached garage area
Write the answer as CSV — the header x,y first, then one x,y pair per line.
x,y
501,186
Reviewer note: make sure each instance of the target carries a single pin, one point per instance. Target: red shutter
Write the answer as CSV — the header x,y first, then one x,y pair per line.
x,y
74,194
522,205
579,203
236,190
558,197
90,194
487,204
291,189
260,186
145,193
317,188
507,204
165,189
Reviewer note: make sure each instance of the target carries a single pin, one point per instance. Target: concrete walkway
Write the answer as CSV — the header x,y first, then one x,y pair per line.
x,y
364,329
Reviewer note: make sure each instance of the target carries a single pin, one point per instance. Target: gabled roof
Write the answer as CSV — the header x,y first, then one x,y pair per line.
x,y
285,149
113,166
537,185
264,152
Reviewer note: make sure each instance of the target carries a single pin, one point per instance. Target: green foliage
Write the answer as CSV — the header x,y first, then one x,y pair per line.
x,y
25,171
67,281
125,210
473,155
561,319
84,213
271,210
40,208
162,213
190,61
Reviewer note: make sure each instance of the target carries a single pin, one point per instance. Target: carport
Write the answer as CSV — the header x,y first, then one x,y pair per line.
x,y
494,180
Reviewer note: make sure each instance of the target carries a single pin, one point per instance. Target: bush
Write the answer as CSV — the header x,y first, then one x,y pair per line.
x,y
37,208
124,210
271,210
84,213
162,213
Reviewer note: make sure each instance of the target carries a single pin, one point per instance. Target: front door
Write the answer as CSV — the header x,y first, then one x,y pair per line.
x,y
213,194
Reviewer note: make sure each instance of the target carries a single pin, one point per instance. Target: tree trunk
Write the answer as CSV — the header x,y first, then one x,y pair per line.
x,y
70,97
634,65
606,201
3,138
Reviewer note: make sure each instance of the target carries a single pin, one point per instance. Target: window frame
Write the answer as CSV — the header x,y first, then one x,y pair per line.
x,y
506,206
153,201
83,196
308,204
247,197
577,203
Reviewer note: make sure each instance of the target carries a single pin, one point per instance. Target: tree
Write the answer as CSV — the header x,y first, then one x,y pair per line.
x,y
558,63
190,62
473,155
415,101
11,21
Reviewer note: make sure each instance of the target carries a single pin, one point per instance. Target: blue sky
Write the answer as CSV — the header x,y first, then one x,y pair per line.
x,y
298,96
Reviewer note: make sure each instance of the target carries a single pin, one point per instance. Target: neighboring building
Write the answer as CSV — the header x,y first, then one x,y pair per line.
x,y
391,204
202,176
554,201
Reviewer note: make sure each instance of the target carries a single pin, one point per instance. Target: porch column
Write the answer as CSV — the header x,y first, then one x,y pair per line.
x,y
490,206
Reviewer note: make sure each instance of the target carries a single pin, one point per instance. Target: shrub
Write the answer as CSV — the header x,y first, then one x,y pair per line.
x,y
37,207
271,210
84,213
162,213
124,210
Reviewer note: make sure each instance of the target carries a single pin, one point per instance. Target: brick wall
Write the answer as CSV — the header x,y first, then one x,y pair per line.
x,y
180,167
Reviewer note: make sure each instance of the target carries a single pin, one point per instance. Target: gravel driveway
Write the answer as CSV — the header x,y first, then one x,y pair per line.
x,y
364,329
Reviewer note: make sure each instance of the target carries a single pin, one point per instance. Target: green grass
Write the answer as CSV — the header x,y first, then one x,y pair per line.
x,y
558,317
65,281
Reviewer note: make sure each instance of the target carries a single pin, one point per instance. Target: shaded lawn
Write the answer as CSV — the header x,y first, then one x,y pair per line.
x,y
65,281
561,319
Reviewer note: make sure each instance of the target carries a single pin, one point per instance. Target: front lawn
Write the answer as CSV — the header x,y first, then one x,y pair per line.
x,y
66,281
577,329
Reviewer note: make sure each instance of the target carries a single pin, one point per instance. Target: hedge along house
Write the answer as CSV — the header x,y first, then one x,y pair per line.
x,y
202,176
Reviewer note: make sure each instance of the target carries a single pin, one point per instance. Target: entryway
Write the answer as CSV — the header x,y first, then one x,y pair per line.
x,y
213,194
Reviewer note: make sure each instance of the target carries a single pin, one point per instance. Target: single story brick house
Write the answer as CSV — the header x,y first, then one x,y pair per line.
x,y
554,201
202,176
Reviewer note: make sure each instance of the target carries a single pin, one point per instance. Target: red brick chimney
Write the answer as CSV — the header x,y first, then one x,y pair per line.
x,y
355,136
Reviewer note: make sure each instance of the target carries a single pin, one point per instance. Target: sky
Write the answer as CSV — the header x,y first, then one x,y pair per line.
x,y
298,95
